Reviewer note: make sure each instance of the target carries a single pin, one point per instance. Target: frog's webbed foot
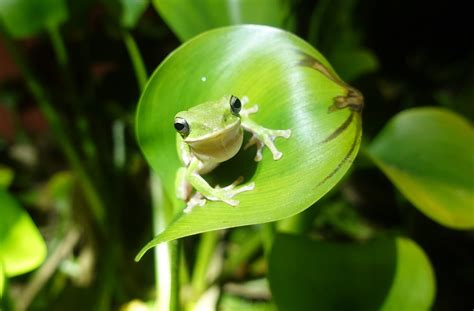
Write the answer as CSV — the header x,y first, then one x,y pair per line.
x,y
261,136
227,193
196,200
266,138
245,112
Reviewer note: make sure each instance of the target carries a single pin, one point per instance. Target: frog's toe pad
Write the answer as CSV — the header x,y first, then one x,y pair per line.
x,y
284,133
277,155
232,202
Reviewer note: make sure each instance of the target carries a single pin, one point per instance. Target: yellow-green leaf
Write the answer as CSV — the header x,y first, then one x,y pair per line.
x,y
295,89
132,10
22,247
382,274
189,18
428,153
23,18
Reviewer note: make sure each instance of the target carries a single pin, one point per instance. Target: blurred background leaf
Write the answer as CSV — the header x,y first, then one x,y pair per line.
x,y
298,95
332,30
25,18
428,154
132,10
381,274
6,176
22,247
189,18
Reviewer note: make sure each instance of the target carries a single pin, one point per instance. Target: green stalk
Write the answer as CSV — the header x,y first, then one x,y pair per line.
x,y
57,128
205,251
62,58
137,60
167,255
246,250
58,45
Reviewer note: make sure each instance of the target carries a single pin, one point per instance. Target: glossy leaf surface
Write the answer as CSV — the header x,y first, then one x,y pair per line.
x,y
189,18
295,89
382,274
24,18
22,247
428,154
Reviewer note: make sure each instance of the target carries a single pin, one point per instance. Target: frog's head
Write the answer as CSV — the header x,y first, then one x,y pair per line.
x,y
212,129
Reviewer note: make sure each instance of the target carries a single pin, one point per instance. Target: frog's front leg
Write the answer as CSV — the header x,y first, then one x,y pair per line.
x,y
225,194
261,136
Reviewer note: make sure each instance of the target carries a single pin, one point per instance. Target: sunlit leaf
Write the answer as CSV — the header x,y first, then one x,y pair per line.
x,y
382,274
23,18
189,18
22,248
6,176
132,10
428,154
295,89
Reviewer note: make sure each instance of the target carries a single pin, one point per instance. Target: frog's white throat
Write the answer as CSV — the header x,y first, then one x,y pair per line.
x,y
218,146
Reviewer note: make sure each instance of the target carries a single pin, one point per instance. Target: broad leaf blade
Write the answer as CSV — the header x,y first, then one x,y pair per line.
x,y
382,274
132,10
189,18
24,18
22,248
284,76
428,154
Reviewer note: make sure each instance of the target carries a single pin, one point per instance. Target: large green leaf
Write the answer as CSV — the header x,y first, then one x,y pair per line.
x,y
23,18
428,153
22,248
382,274
132,10
295,89
189,18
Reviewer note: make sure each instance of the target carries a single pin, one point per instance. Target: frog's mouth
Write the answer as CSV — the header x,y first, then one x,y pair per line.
x,y
218,146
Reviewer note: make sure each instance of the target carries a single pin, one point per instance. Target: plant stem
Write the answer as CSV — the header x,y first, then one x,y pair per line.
x,y
62,59
137,60
205,251
246,250
167,255
58,45
175,255
58,130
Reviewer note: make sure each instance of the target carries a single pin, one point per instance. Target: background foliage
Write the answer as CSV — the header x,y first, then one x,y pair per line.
x,y
77,195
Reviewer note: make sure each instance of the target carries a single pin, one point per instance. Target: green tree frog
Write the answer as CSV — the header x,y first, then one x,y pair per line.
x,y
209,134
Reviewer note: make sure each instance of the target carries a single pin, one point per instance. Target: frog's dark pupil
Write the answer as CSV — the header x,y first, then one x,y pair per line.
x,y
179,126
235,104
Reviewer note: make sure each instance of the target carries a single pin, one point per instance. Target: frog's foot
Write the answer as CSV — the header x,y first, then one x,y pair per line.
x,y
227,193
247,111
196,200
266,137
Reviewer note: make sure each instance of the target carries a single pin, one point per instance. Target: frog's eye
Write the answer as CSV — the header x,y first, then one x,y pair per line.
x,y
181,126
235,105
